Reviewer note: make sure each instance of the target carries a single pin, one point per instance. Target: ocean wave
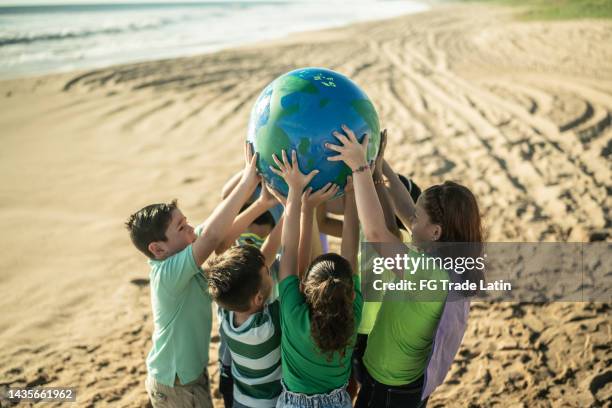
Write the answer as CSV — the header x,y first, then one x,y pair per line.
x,y
29,38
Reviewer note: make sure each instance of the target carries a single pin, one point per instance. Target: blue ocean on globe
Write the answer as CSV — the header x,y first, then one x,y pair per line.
x,y
300,110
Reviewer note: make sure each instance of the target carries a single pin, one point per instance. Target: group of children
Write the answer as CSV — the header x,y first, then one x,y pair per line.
x,y
294,329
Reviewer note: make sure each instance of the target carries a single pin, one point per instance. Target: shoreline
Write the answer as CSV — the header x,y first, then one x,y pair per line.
x,y
190,52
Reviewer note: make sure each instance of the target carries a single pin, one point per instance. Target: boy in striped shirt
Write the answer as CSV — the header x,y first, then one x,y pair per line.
x,y
239,280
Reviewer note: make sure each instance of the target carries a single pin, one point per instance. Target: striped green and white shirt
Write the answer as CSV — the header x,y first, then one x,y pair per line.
x,y
256,358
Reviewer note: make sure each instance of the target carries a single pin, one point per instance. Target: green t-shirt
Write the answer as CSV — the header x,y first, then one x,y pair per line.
x,y
182,317
371,308
305,369
400,341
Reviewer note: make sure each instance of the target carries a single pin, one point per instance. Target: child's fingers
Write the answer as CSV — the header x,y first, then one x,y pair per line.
x,y
306,194
342,138
331,191
278,163
293,158
286,160
338,157
335,148
383,139
350,133
324,189
311,175
253,162
247,158
276,171
366,139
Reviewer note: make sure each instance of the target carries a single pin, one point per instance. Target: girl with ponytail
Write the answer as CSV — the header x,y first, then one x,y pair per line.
x,y
320,301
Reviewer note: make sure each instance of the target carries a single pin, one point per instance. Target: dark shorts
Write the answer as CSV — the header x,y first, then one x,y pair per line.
x,y
377,395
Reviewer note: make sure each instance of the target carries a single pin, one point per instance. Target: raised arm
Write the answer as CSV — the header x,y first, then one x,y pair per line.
x,y
217,225
328,225
231,184
269,249
369,210
381,190
290,172
403,203
263,203
350,228
310,201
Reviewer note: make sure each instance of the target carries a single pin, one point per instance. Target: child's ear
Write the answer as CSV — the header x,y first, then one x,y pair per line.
x,y
157,249
436,233
258,300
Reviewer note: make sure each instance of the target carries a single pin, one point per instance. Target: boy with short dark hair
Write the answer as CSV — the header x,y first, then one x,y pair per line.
x,y
254,226
182,315
239,280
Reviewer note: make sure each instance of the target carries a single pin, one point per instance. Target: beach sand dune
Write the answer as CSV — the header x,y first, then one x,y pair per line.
x,y
517,111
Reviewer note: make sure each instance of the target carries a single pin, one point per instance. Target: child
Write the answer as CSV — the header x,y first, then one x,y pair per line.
x,y
178,359
318,325
251,227
399,346
239,281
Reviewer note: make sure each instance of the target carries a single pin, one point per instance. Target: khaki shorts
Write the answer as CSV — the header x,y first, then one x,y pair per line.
x,y
196,394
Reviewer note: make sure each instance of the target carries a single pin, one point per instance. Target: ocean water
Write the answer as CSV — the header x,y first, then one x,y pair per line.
x,y
54,38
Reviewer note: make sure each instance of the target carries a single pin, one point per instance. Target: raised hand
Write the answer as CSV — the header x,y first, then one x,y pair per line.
x,y
290,172
348,188
312,199
266,196
378,164
277,196
249,174
350,151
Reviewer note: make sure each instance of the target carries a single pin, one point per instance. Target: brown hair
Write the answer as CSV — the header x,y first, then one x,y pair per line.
x,y
234,277
328,288
149,224
455,209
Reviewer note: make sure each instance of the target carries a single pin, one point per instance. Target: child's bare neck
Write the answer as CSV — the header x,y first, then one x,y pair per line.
x,y
241,317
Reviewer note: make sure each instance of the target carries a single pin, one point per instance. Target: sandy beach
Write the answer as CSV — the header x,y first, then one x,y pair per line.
x,y
518,111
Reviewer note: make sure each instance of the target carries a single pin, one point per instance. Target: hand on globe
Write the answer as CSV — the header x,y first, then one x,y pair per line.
x,y
249,174
349,189
266,196
351,152
277,196
290,172
312,199
378,164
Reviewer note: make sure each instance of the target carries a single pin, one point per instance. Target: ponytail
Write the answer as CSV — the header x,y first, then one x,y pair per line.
x,y
328,289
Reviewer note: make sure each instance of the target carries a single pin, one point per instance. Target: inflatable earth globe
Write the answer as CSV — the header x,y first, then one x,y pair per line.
x,y
300,110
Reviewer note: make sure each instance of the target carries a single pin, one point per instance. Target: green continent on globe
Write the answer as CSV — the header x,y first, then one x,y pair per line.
x,y
366,110
304,145
271,139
